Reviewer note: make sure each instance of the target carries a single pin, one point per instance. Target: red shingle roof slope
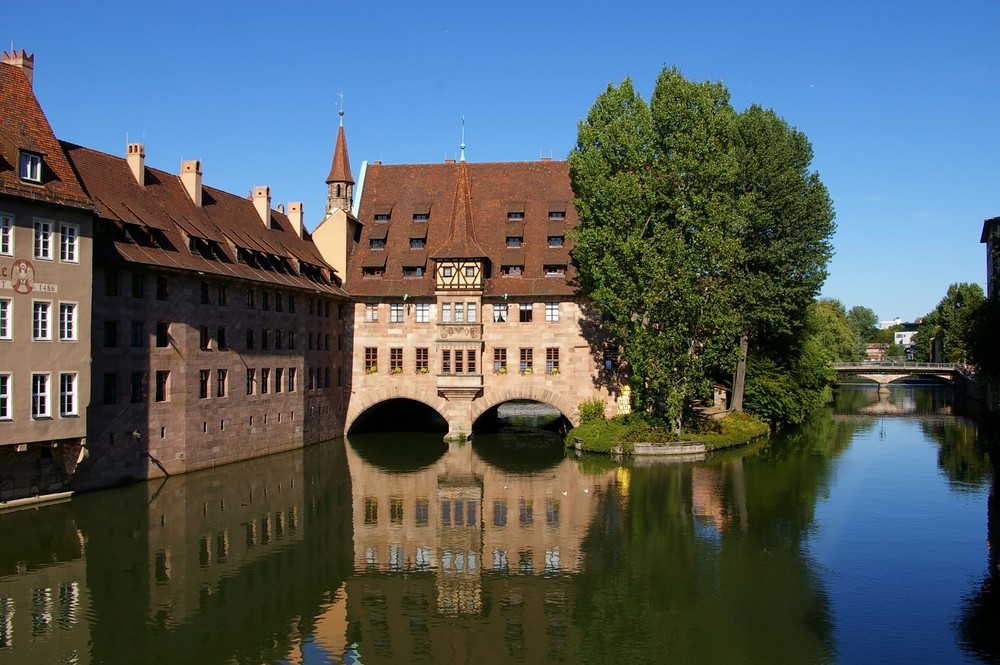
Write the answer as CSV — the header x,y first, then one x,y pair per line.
x,y
23,126
230,222
494,189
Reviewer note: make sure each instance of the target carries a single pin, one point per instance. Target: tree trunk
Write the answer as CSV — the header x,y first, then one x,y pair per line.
x,y
740,376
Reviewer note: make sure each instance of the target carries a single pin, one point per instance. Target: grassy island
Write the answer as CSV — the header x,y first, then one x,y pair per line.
x,y
601,436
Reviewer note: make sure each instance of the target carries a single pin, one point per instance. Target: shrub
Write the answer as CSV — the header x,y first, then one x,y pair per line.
x,y
591,410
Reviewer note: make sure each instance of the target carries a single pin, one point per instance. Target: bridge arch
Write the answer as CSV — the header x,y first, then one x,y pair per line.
x,y
361,403
531,393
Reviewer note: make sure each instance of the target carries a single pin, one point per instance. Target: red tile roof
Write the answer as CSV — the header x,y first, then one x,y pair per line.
x,y
156,222
340,169
493,190
23,126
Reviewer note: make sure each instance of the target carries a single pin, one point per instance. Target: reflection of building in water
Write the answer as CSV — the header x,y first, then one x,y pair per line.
x,y
461,538
232,561
43,589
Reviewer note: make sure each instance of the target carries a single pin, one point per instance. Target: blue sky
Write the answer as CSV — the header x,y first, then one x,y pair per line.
x,y
900,100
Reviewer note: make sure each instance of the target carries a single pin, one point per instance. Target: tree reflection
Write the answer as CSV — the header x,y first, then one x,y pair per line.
x,y
668,564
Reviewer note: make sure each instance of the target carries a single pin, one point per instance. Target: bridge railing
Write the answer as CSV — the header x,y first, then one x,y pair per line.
x,y
900,364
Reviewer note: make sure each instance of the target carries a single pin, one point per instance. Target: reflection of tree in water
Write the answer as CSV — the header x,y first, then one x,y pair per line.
x,y
962,453
676,584
977,629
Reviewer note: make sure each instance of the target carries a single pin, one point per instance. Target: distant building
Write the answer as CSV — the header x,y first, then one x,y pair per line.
x,y
885,325
991,236
45,295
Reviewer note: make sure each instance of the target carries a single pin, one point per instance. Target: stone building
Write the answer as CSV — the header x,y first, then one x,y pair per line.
x,y
45,295
216,323
991,237
464,290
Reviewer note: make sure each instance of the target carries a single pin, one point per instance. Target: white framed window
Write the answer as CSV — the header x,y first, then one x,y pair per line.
x,y
67,394
41,326
6,385
6,318
459,312
396,312
67,321
31,167
6,235
43,239
40,396
423,312
551,311
470,312
371,313
446,312
69,243
500,312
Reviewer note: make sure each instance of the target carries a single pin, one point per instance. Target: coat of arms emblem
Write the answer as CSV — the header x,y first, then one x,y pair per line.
x,y
22,276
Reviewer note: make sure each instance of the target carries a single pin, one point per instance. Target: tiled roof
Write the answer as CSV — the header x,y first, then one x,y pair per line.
x,y
494,190
154,225
23,126
340,169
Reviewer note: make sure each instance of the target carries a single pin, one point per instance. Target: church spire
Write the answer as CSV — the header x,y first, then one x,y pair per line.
x,y
340,182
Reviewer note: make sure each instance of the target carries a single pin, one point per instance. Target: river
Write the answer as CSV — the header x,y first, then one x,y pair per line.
x,y
861,536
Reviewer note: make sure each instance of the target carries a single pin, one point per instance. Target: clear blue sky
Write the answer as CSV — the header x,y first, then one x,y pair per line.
x,y
900,100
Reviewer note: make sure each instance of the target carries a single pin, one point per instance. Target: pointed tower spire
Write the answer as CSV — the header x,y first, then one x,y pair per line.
x,y
340,182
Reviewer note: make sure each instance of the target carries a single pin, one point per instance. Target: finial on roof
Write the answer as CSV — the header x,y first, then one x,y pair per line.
x,y
462,145
341,111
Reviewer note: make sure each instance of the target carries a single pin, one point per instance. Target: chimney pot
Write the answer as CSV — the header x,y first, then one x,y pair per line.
x,y
23,60
191,179
136,158
449,161
295,217
262,202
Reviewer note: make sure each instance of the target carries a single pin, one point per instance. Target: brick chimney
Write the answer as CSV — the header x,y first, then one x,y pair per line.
x,y
23,60
136,158
295,216
191,179
262,202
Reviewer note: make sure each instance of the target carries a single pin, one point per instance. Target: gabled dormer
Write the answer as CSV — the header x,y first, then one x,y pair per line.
x,y
460,262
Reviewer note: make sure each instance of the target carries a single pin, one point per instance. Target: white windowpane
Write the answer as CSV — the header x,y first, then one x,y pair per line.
x,y
5,318
423,312
67,394
6,235
500,313
5,386
67,321
551,311
459,313
470,309
39,395
68,243
40,321
396,312
43,240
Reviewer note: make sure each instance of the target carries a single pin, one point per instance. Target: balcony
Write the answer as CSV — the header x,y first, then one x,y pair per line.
x,y
459,386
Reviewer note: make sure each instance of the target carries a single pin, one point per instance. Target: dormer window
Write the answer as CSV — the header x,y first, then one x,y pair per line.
x,y
377,243
413,271
417,243
514,216
513,242
557,214
511,270
420,217
382,217
556,241
555,271
31,167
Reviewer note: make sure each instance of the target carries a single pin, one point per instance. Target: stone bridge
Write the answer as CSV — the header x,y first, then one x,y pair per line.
x,y
885,372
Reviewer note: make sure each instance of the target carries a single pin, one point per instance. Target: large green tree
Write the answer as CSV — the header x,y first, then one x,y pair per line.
x,y
659,235
786,235
864,321
699,226
951,327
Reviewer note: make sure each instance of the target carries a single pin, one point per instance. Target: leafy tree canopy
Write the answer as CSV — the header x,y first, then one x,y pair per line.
x,y
947,333
698,224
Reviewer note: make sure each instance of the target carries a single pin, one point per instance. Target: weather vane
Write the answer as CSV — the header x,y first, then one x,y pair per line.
x,y
341,111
